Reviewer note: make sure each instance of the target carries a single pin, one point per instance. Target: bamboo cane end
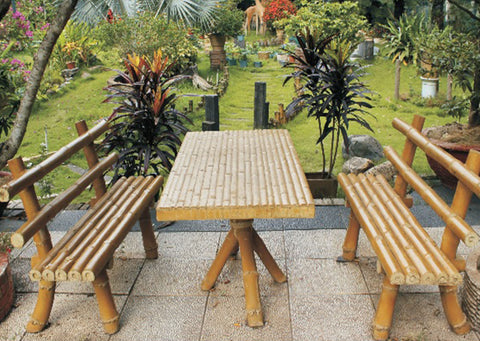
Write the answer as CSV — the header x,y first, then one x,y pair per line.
x,y
34,326
35,275
60,275
74,276
471,239
427,278
17,240
4,195
380,334
412,278
463,328
397,278
442,278
48,275
456,279
255,318
88,276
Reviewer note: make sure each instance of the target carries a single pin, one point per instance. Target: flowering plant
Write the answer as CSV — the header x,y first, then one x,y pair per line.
x,y
5,244
278,9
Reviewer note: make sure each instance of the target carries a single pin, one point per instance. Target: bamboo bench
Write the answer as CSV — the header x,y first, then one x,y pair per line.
x,y
406,253
86,250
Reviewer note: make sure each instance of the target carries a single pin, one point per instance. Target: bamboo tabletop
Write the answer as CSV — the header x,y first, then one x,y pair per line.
x,y
236,175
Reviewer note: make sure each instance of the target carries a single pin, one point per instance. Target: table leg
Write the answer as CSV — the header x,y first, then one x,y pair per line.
x,y
243,232
267,259
229,245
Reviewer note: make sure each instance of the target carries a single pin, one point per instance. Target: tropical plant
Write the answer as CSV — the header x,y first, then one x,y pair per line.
x,y
401,42
323,19
227,20
145,127
331,92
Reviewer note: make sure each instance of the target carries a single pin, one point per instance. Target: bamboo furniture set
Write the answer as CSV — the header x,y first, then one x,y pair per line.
x,y
86,250
406,253
240,176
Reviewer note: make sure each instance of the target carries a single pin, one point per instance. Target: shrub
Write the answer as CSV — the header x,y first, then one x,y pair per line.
x,y
228,21
278,9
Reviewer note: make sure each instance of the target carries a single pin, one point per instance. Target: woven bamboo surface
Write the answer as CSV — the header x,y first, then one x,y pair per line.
x,y
236,175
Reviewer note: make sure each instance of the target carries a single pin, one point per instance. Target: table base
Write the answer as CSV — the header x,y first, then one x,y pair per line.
x,y
243,235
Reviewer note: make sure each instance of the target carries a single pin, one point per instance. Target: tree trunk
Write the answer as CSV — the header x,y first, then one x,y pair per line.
x,y
11,145
399,8
474,115
438,13
4,6
449,86
398,67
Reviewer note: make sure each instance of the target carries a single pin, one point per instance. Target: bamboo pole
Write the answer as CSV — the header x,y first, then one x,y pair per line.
x,y
106,304
443,269
100,258
229,245
43,243
243,232
386,306
39,171
89,246
36,272
91,230
389,263
92,159
148,236
408,155
453,221
27,230
454,166
267,259
453,312
407,266
416,269
460,203
351,239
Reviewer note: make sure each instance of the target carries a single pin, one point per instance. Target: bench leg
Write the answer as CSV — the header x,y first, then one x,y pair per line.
x,y
41,313
243,232
106,304
351,240
267,259
149,241
384,314
229,247
453,312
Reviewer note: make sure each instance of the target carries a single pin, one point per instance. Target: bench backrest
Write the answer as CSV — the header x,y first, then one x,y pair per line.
x,y
467,174
23,184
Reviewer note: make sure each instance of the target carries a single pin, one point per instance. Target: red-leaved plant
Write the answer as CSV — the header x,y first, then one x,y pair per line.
x,y
278,9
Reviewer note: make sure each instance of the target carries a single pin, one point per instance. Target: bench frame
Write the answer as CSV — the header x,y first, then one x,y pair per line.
x,y
23,184
468,181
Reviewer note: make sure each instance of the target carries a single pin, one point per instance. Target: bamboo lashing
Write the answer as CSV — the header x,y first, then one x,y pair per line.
x,y
454,166
438,264
453,221
93,230
101,257
103,212
27,230
390,264
39,171
35,273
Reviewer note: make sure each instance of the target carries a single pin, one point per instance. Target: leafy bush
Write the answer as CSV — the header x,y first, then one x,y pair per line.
x,y
227,20
144,34
324,19
145,127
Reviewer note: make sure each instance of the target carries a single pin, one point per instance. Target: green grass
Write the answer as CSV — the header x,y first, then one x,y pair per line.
x,y
83,100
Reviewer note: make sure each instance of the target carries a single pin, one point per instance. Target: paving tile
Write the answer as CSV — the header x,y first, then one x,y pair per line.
x,y
374,280
313,277
74,317
31,249
168,276
13,326
325,217
225,320
121,277
132,246
161,318
20,268
321,244
421,317
188,245
331,317
273,240
230,281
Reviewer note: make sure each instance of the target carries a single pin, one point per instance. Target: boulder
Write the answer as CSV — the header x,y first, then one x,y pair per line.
x,y
363,146
356,165
386,169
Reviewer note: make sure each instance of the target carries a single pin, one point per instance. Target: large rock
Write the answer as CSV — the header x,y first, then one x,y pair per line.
x,y
363,146
357,165
386,169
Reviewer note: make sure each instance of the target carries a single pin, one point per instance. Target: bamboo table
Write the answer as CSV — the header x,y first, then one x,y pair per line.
x,y
240,176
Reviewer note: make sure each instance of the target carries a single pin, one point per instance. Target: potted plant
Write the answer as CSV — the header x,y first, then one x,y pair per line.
x,y
6,280
227,22
243,60
333,95
146,129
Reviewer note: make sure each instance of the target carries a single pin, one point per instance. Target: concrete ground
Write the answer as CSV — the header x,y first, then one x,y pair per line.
x,y
161,299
